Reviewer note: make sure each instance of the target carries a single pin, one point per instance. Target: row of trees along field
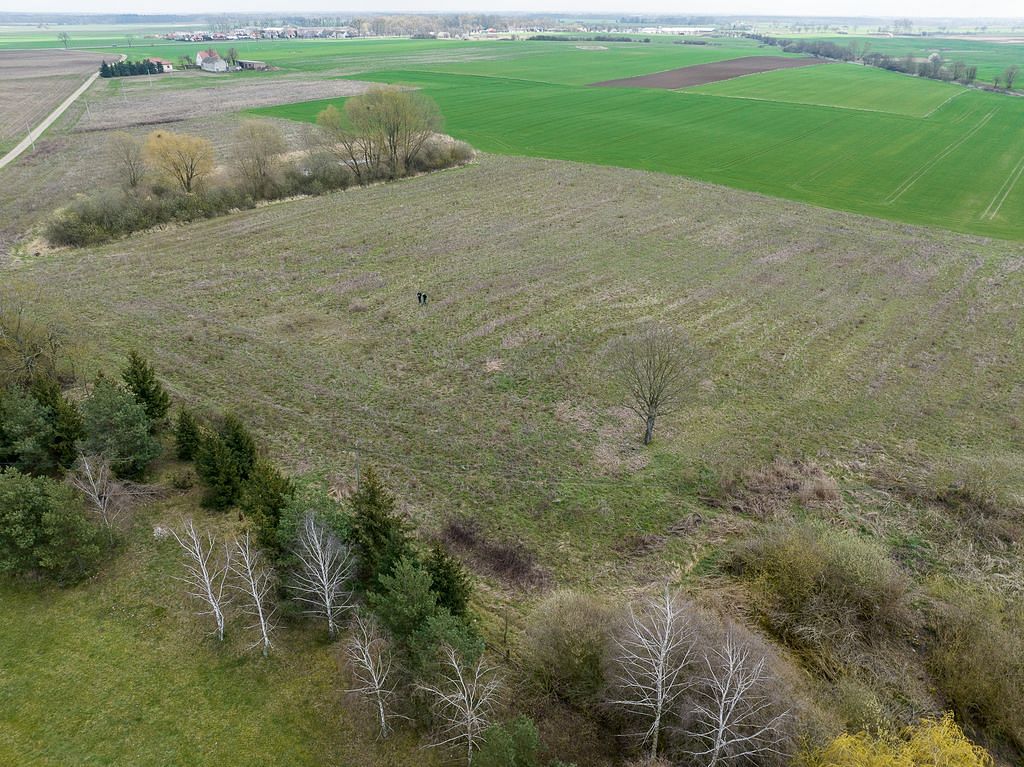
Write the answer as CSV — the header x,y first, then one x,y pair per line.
x,y
131,68
383,135
933,67
658,677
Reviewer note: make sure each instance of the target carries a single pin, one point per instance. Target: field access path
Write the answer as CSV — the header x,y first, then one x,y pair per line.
x,y
49,120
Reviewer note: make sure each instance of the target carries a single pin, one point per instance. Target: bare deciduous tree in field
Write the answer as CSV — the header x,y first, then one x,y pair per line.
x,y
1010,76
256,582
652,653
654,371
107,496
371,660
321,580
65,38
256,155
734,718
127,155
463,702
207,577
186,160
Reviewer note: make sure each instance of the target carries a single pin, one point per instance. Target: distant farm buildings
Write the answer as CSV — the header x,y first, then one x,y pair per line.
x,y
167,65
250,64
210,61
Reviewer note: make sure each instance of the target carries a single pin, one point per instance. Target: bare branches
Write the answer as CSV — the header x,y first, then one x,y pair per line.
x,y
127,156
653,370
734,718
325,568
256,582
652,654
108,497
463,701
370,657
206,577
28,348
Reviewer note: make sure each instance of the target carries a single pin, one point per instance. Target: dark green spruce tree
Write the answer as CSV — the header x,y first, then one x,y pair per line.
x,y
381,538
140,379
187,435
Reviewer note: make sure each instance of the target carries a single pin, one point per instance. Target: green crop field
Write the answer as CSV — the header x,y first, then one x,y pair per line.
x,y
933,153
840,85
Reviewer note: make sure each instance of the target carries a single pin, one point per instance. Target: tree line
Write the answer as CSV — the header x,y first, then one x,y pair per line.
x,y
383,135
131,68
933,67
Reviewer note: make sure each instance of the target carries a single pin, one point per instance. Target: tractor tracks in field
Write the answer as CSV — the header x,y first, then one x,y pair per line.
x,y
1004,191
917,175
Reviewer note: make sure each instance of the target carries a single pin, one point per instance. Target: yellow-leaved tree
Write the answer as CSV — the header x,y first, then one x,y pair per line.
x,y
184,159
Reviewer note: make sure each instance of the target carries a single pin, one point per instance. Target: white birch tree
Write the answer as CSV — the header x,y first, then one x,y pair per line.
x,y
463,702
256,582
734,719
107,496
371,660
652,654
325,568
206,576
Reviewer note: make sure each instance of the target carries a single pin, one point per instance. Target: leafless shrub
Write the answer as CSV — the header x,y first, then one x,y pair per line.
x,y
463,702
564,647
206,576
108,497
370,658
256,583
325,568
510,560
830,594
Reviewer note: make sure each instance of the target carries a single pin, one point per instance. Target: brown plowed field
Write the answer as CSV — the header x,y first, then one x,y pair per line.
x,y
709,73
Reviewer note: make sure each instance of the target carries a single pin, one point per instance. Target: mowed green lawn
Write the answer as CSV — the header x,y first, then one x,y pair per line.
x,y
957,167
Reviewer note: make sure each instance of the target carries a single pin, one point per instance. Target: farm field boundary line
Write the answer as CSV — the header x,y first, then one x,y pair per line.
x,y
909,182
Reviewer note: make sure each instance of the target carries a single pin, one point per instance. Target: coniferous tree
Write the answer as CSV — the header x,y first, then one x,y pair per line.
x,y
104,69
380,537
140,379
66,425
218,468
187,435
264,495
450,581
240,443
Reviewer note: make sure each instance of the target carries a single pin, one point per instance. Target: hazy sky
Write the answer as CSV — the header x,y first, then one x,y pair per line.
x,y
884,8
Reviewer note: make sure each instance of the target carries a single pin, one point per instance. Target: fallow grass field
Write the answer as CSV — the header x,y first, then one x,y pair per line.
x,y
885,352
